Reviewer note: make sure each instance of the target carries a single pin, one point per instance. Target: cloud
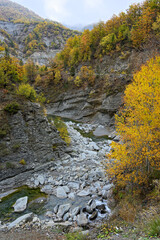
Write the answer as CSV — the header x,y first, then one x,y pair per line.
x,y
67,10
56,9
93,3
83,11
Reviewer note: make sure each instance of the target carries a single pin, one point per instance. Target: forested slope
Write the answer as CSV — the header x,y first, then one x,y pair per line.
x,y
11,11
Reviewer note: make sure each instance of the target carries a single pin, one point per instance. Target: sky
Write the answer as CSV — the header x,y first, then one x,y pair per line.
x,y
74,12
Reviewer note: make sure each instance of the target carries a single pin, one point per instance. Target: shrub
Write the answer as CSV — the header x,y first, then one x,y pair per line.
x,y
27,91
62,128
3,133
15,147
4,152
78,82
153,228
10,165
4,130
41,98
22,162
12,108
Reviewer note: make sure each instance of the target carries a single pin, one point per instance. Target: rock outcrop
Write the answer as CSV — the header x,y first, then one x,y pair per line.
x,y
28,147
79,106
99,103
16,37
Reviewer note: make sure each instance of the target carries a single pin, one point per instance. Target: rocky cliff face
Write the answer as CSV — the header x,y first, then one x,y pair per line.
x,y
38,41
98,104
32,144
81,107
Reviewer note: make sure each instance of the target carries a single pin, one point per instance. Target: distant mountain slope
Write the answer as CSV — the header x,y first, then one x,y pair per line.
x,y
11,11
26,35
80,27
89,27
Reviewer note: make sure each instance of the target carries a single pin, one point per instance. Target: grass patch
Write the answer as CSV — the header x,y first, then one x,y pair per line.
x,y
10,165
15,147
76,236
62,128
107,229
4,130
153,227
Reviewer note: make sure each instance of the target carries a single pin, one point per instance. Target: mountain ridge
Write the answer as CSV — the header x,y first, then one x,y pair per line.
x,y
12,11
26,35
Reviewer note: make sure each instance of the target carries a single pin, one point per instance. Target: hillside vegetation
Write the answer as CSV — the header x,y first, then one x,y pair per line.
x,y
131,30
138,28
11,11
23,33
32,37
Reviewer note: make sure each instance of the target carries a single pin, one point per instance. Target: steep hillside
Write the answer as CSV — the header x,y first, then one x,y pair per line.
x,y
39,41
24,34
130,30
11,11
92,70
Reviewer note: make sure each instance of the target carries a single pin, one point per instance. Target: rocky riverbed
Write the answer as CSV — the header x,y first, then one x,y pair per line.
x,y
78,192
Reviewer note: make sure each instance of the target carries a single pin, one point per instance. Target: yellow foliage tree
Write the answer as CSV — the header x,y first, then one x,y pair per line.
x,y
57,77
135,158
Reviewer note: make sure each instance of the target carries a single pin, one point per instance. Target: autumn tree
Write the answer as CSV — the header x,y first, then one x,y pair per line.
x,y
10,71
137,156
30,70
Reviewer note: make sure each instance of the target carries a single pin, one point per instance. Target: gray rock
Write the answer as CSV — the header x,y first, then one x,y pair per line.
x,y
73,185
72,196
63,209
66,189
97,185
56,209
91,206
93,190
108,187
89,209
83,193
75,211
101,208
41,179
21,204
104,194
36,182
61,193
49,214
93,146
66,217
82,220
50,180
83,185
94,215
48,189
23,218
101,131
